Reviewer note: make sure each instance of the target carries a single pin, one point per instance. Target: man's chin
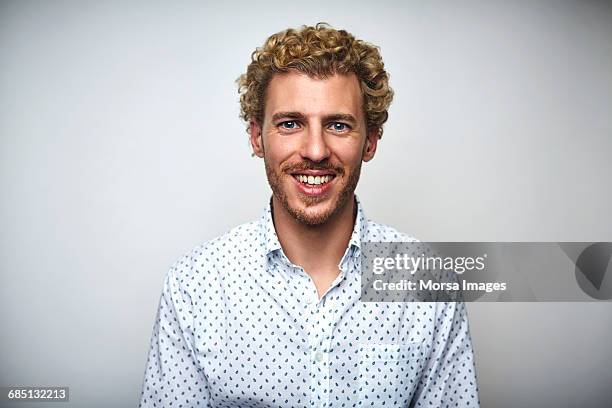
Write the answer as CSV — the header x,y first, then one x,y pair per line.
x,y
312,212
312,219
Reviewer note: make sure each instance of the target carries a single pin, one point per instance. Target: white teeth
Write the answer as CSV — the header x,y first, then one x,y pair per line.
x,y
313,180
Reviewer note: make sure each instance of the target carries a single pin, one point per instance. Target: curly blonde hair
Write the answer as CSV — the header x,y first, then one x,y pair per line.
x,y
319,52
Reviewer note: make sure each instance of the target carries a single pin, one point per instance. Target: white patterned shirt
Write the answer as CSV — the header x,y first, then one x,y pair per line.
x,y
239,325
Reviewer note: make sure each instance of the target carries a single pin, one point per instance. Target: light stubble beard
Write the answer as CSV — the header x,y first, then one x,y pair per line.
x,y
303,217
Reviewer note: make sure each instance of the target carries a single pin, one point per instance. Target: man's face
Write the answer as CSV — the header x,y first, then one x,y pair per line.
x,y
313,139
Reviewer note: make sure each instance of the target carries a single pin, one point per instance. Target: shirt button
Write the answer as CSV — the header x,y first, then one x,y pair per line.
x,y
310,298
318,356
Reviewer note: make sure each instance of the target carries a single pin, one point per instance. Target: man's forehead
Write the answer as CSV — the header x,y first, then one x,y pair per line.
x,y
297,92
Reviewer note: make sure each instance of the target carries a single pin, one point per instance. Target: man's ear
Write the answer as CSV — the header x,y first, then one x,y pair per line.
x,y
369,149
256,139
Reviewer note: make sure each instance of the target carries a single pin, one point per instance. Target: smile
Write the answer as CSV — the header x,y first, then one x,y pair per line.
x,y
314,185
313,180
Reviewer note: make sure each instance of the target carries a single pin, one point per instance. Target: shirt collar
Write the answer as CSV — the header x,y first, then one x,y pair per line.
x,y
270,239
268,233
359,229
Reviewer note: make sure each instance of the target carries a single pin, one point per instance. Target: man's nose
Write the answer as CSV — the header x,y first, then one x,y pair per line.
x,y
315,145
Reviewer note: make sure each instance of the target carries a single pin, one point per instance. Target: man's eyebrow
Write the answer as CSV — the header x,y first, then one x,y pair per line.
x,y
287,115
328,118
340,116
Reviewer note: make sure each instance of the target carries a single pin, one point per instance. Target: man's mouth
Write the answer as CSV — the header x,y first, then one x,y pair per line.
x,y
311,180
314,183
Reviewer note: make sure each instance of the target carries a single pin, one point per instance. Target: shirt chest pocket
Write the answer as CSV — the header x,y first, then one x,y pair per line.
x,y
389,373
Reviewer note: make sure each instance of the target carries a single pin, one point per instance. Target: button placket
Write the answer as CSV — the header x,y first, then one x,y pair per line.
x,y
326,341
320,346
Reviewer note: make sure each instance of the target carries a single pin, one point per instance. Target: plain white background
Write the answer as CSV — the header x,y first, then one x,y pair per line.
x,y
121,149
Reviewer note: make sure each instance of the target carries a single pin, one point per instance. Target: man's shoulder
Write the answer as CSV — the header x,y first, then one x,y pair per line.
x,y
245,235
377,232
238,243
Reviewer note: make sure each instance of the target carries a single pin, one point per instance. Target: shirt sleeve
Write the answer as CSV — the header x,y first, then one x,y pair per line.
x,y
172,375
449,377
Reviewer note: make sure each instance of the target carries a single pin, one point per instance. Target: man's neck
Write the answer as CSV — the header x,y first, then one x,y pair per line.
x,y
317,249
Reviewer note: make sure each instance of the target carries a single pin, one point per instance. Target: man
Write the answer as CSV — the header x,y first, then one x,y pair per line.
x,y
269,315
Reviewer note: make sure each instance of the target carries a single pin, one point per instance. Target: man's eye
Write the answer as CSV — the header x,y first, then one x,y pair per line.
x,y
339,126
289,125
